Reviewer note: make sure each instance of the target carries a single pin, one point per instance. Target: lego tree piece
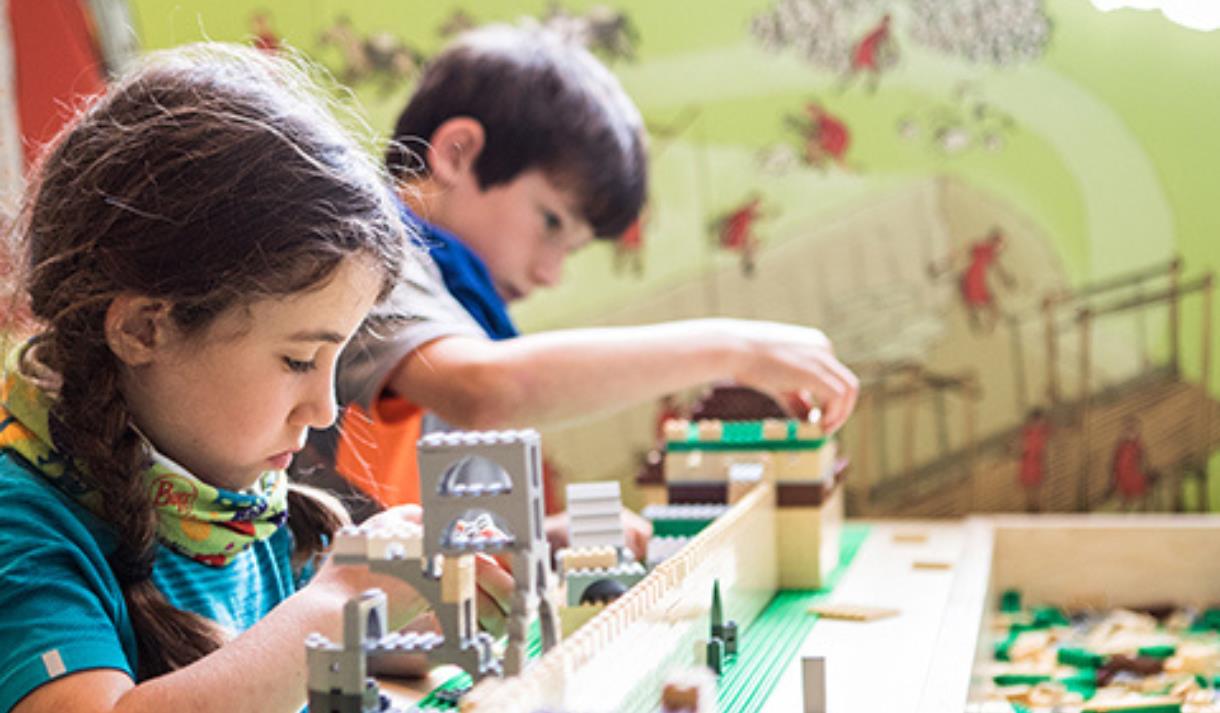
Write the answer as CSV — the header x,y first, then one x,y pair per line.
x,y
595,515
729,633
813,683
851,612
715,655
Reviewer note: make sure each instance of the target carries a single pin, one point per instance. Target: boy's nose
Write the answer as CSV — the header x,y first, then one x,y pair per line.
x,y
548,272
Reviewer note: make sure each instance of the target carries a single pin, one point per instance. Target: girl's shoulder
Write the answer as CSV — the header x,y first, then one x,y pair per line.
x,y
31,506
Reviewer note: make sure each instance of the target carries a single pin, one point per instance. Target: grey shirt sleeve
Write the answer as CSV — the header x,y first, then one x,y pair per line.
x,y
418,311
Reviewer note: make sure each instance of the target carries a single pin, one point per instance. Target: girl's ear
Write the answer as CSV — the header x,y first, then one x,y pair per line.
x,y
137,327
454,148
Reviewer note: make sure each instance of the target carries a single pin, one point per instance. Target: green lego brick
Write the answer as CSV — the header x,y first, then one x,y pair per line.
x,y
1020,679
1209,619
744,436
1080,657
1010,601
1084,682
1002,648
679,527
1151,708
1049,616
1157,652
769,644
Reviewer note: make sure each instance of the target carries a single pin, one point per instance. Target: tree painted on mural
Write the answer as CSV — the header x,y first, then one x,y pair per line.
x,y
861,38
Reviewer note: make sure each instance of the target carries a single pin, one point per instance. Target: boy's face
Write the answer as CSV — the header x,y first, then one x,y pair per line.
x,y
240,398
523,229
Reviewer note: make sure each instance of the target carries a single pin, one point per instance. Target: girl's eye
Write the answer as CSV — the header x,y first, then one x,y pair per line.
x,y
552,221
301,367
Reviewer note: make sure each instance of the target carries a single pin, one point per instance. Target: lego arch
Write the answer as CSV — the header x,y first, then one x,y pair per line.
x,y
374,627
477,530
474,475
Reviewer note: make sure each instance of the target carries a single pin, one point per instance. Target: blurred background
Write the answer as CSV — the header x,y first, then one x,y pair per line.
x,y
1003,212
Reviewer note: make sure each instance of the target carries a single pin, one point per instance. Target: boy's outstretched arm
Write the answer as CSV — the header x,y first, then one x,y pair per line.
x,y
550,377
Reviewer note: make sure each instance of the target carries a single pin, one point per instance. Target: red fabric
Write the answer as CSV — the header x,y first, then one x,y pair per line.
x,y
633,236
1034,439
1129,477
378,453
56,61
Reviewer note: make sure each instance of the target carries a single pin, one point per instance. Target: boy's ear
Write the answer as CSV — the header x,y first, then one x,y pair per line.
x,y
455,146
136,327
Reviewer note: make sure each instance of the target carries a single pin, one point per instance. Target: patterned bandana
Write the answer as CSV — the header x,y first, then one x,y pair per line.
x,y
208,524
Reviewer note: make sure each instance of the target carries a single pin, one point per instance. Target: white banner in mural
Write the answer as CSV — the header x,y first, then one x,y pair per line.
x,y
1195,14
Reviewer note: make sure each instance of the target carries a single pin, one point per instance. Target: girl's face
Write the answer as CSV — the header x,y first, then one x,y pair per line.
x,y
238,399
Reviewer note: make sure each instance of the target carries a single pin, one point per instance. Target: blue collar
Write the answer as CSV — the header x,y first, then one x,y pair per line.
x,y
465,275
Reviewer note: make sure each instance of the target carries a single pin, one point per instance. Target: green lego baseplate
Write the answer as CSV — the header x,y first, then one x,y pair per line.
x,y
768,645
765,649
744,436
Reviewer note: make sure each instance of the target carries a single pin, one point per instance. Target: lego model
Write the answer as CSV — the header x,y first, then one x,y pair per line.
x,y
1157,658
598,567
714,461
464,512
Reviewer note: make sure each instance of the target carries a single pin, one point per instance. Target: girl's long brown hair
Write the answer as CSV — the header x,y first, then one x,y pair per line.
x,y
210,177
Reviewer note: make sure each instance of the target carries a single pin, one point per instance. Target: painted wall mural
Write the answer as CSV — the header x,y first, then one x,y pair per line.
x,y
1002,211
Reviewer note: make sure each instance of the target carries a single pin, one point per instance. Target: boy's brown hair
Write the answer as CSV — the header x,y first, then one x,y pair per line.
x,y
544,104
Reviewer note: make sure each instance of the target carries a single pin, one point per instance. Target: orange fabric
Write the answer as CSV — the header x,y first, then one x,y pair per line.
x,y
56,61
377,452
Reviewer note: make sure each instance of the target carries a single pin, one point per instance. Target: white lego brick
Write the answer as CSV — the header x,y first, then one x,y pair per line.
x,y
813,681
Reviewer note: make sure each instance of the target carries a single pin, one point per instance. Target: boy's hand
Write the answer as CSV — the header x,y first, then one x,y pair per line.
x,y
636,532
493,593
784,358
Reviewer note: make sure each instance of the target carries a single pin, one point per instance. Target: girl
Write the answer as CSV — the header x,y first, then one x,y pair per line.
x,y
201,243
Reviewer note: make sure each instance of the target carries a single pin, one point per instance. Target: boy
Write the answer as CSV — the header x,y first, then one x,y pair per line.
x,y
530,149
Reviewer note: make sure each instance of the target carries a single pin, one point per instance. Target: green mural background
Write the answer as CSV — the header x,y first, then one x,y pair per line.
x,y
1104,146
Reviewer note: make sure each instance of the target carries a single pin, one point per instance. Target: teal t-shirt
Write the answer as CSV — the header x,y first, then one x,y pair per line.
x,y
61,608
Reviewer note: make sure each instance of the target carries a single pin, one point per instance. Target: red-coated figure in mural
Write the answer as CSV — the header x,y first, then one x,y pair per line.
x,y
629,248
265,38
1035,437
874,53
1129,466
735,231
974,282
824,136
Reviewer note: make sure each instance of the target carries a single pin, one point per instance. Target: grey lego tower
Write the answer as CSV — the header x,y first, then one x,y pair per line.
x,y
514,501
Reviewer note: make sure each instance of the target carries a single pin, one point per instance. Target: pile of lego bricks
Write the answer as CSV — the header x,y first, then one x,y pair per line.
x,y
1157,659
